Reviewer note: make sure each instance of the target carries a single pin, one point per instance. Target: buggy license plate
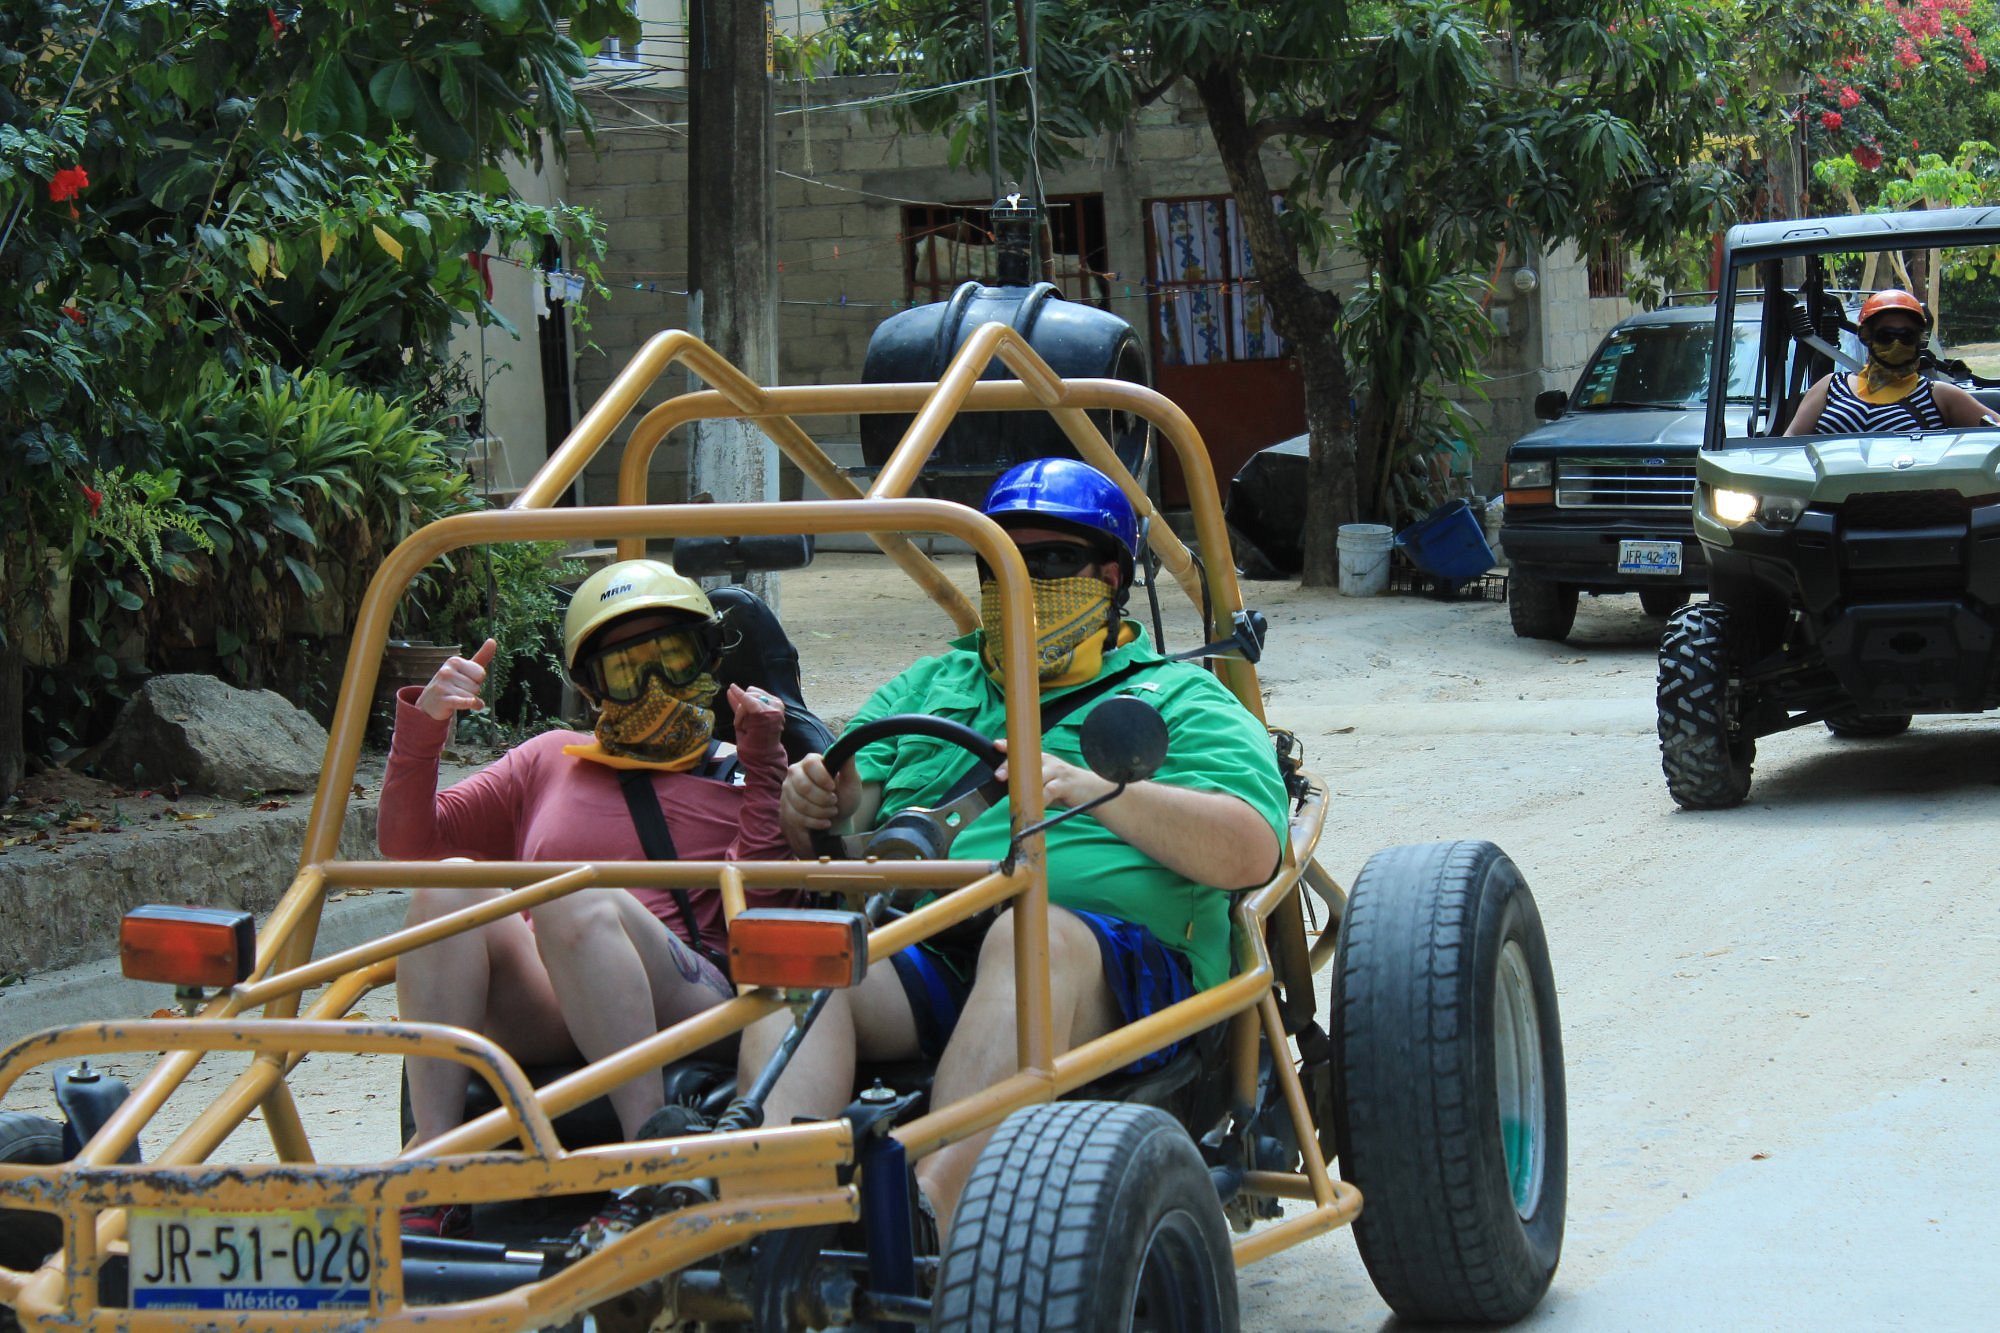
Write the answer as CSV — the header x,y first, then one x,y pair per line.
x,y
1649,557
190,1259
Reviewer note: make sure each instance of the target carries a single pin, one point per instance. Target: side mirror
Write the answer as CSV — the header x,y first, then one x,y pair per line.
x,y
1551,403
1123,740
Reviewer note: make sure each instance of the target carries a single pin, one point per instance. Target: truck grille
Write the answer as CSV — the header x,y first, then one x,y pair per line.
x,y
1615,483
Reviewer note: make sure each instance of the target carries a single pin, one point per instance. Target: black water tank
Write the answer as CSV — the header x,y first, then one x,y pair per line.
x,y
1078,342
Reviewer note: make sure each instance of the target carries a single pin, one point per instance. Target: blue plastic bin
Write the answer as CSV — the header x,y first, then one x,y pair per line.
x,y
1448,543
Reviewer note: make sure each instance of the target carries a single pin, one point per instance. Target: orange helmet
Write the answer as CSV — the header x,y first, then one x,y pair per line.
x,y
1894,298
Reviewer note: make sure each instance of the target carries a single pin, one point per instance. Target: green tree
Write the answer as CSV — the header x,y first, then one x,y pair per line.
x,y
1447,133
291,185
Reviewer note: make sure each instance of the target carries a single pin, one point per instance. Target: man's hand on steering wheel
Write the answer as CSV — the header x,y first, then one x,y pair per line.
x,y
1064,785
810,800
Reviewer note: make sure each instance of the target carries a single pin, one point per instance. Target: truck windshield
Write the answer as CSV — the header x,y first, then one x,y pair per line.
x,y
1664,365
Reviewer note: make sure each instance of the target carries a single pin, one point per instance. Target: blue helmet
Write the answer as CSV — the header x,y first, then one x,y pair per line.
x,y
1070,496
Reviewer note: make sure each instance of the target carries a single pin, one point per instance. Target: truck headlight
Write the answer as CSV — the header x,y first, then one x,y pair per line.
x,y
1525,476
1732,507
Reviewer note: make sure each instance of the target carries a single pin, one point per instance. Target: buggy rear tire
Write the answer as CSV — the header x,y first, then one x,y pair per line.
x,y
1083,1217
1853,726
1540,608
1707,760
1662,602
27,1237
1450,1107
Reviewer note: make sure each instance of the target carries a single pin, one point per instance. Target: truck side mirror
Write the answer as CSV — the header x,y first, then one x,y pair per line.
x,y
1551,403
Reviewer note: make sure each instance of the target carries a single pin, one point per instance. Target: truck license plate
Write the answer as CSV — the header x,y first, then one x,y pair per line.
x,y
312,1259
1649,557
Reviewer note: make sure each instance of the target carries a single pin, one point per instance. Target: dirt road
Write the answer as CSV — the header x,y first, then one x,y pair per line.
x,y
1778,1020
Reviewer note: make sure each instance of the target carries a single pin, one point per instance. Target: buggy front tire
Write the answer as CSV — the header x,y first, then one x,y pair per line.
x,y
28,1237
1540,608
1450,1107
1087,1217
1706,757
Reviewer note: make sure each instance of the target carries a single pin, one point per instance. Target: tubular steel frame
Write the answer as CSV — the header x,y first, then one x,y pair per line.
x,y
774,1178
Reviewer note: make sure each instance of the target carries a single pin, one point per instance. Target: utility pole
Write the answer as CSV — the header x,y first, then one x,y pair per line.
x,y
732,291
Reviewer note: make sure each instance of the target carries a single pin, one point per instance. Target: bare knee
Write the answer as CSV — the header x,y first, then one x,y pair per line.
x,y
576,924
1073,949
428,904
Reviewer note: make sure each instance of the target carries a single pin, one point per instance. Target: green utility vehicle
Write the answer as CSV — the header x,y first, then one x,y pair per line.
x,y
1854,578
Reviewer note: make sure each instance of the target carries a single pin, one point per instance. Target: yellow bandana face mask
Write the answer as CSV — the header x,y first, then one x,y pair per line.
x,y
1891,371
1075,619
666,727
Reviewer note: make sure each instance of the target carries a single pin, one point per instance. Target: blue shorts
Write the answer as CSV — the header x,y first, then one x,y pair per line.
x,y
1145,977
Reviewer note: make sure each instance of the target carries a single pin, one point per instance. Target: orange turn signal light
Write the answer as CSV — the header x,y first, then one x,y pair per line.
x,y
1540,495
797,950
187,946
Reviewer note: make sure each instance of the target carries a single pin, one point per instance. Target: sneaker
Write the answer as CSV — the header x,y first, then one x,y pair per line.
x,y
627,1209
451,1221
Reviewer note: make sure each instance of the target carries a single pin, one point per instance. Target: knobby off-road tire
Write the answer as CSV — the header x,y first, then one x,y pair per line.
x,y
1450,1107
1091,1217
1855,727
26,1238
1539,608
1662,601
1706,762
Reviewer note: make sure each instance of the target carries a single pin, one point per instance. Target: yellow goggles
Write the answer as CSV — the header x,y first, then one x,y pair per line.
x,y
677,656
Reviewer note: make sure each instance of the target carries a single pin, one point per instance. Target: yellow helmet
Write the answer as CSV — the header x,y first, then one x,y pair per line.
x,y
625,587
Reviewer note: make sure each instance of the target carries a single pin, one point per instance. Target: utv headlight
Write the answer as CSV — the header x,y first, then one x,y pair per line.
x,y
1733,507
1528,476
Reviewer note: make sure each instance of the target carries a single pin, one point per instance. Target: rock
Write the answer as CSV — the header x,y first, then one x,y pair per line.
x,y
212,737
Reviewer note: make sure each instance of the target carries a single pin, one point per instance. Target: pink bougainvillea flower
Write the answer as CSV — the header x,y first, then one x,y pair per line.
x,y
1849,99
68,183
1867,157
92,497
1830,120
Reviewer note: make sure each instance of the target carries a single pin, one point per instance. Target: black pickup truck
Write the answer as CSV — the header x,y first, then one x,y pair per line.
x,y
1599,500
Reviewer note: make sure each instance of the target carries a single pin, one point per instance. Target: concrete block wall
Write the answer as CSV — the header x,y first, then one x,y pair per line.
x,y
843,182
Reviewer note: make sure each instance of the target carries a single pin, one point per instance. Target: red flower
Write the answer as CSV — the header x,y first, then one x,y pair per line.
x,y
1867,157
75,314
1830,119
68,183
277,25
1849,99
1906,53
92,497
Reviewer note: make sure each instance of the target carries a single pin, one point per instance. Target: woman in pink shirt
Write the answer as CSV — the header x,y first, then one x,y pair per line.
x,y
598,970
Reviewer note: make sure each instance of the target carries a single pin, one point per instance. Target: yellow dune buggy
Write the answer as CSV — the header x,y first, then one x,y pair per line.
x,y
1104,1201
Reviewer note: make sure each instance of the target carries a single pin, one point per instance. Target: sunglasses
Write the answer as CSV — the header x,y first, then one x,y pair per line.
x,y
677,656
1052,560
1905,334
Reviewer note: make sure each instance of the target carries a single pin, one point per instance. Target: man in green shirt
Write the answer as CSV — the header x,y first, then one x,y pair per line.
x,y
1138,918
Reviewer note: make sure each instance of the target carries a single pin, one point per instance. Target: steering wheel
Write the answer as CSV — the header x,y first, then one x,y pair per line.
x,y
916,833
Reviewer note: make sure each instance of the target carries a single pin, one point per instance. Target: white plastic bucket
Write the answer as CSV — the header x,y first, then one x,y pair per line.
x,y
1364,558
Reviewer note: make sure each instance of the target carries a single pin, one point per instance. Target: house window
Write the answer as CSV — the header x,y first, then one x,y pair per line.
x,y
1207,306
948,244
1607,270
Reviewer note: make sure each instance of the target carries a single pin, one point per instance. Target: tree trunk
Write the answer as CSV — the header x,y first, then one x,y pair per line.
x,y
1306,318
13,748
733,306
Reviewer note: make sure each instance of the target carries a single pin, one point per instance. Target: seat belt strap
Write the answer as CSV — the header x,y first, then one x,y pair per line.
x,y
658,842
